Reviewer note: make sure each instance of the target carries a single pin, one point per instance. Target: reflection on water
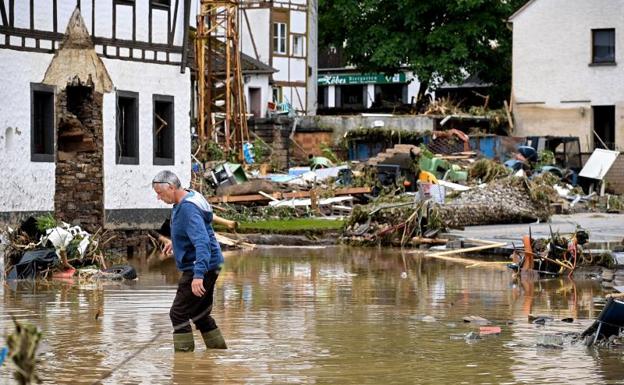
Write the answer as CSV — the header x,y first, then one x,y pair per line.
x,y
340,315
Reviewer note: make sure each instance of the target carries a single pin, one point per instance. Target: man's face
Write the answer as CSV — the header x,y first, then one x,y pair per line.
x,y
165,192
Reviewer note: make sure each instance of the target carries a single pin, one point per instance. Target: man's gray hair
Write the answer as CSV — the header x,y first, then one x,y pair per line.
x,y
167,177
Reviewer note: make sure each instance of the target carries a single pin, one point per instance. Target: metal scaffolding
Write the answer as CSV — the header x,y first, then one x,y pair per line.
x,y
221,115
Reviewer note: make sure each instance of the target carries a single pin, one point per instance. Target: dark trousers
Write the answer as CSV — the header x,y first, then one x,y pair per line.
x,y
188,307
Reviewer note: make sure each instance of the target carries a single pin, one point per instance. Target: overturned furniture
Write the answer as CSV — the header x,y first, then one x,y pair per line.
x,y
608,325
554,256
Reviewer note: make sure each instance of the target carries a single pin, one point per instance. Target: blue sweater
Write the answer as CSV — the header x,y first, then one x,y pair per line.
x,y
194,243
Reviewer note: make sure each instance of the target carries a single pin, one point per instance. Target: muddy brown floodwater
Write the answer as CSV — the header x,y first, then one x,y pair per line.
x,y
303,316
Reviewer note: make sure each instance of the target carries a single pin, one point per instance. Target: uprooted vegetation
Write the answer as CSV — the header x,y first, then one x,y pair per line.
x,y
74,247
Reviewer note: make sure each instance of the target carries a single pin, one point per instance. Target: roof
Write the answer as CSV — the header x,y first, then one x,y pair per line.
x,y
249,65
519,11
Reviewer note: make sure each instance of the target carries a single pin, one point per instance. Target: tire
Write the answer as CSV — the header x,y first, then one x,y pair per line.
x,y
124,271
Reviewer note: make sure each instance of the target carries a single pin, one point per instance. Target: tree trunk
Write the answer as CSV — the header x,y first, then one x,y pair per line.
x,y
423,99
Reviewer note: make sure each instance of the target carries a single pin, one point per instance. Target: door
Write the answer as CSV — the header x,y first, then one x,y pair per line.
x,y
604,127
255,102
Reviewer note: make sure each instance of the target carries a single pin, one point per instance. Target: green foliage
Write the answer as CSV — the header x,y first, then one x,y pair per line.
x,y
487,170
438,40
425,152
46,222
329,153
260,151
213,151
293,226
546,158
383,135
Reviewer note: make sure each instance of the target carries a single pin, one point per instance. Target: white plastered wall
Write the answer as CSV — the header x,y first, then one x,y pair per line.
x,y
258,81
554,85
260,25
129,186
27,186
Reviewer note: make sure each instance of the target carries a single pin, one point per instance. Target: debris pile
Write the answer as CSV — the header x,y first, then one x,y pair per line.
x,y
509,200
43,247
399,224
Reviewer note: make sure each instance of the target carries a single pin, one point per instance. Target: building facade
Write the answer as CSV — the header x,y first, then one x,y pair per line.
x,y
566,76
93,111
342,87
282,34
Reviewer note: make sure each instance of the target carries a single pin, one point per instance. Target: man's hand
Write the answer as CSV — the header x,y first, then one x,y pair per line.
x,y
167,246
198,287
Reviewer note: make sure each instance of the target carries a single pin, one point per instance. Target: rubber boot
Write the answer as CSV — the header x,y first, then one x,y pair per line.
x,y
183,342
214,339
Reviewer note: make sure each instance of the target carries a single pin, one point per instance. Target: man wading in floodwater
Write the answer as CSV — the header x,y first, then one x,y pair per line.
x,y
198,255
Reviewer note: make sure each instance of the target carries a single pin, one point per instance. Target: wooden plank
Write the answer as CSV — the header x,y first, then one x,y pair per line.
x,y
466,250
278,195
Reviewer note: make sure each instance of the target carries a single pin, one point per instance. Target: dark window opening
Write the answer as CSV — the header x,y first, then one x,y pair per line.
x,y
603,46
604,127
127,137
161,3
42,123
75,132
352,96
77,98
163,130
389,95
322,93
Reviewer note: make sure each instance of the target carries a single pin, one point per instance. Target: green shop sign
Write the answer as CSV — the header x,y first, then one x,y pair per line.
x,y
326,80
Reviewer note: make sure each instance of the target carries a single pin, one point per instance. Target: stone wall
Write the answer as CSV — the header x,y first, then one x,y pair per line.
x,y
310,143
79,188
274,132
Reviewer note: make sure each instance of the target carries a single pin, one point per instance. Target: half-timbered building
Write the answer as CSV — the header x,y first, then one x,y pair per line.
x,y
95,101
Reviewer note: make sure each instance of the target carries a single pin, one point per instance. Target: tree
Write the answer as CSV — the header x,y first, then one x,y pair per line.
x,y
440,40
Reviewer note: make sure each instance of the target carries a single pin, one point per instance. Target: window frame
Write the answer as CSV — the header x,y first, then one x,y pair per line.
x,y
610,61
277,94
278,38
157,5
160,161
303,45
120,159
49,131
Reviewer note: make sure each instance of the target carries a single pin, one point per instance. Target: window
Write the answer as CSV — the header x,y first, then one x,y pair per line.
x,y
279,38
298,45
163,130
127,137
603,46
277,94
42,123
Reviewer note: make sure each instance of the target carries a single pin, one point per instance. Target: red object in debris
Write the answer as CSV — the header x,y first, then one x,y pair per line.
x,y
407,183
489,330
64,274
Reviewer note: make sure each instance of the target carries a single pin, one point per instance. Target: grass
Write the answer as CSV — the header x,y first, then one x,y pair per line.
x,y
290,226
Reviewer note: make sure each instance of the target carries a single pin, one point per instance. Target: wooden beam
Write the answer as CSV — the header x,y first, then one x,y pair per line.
x,y
175,21
187,7
3,13
466,250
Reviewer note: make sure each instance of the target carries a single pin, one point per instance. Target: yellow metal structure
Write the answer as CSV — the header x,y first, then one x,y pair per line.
x,y
221,115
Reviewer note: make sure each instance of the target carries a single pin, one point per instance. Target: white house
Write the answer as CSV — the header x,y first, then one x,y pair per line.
x,y
567,75
282,34
83,129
